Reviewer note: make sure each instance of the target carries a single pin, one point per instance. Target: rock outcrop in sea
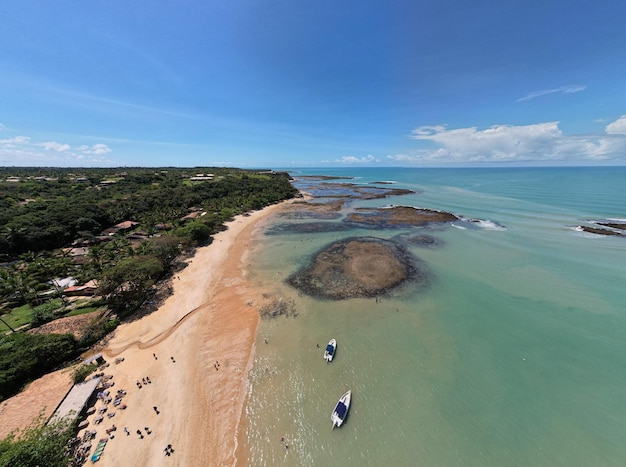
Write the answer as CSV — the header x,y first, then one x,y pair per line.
x,y
397,217
359,267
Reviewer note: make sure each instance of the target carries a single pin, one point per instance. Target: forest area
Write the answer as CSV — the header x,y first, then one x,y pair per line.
x,y
109,236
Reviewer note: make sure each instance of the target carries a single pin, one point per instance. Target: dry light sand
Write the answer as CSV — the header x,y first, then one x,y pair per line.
x,y
211,317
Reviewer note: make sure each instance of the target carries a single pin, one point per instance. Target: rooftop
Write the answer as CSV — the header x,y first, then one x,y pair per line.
x,y
76,399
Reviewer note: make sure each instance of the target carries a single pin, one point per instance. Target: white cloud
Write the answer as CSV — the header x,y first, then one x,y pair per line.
x,y
498,142
23,151
618,127
54,146
541,142
571,89
15,140
97,149
357,160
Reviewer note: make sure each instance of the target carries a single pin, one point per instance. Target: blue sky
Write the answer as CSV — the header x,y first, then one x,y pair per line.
x,y
284,83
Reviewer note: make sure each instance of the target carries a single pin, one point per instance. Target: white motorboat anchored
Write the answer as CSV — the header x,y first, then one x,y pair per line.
x,y
329,353
341,409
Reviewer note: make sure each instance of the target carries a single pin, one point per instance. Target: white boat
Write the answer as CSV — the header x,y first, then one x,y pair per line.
x,y
341,409
329,353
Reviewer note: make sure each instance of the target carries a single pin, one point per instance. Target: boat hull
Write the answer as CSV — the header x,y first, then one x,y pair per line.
x,y
329,352
341,409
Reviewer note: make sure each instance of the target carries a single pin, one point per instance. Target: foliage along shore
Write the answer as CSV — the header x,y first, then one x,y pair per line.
x,y
121,230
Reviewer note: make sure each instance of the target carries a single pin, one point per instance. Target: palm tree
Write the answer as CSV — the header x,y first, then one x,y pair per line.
x,y
96,256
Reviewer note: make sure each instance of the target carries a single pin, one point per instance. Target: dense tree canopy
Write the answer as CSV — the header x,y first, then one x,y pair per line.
x,y
24,357
39,445
49,208
127,283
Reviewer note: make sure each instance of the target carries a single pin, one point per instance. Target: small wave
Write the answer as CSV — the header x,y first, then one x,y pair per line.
x,y
458,226
487,224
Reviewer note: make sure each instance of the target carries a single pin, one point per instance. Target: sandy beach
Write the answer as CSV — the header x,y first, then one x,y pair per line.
x,y
195,350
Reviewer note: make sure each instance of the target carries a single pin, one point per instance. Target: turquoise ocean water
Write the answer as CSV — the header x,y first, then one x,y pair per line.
x,y
515,355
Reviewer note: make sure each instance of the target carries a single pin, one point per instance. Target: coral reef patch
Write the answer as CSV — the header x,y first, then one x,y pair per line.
x,y
359,267
307,228
397,217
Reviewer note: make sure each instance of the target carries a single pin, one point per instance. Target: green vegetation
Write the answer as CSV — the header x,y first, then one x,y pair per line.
x,y
24,357
83,371
43,313
39,444
128,282
43,214
165,213
16,318
29,315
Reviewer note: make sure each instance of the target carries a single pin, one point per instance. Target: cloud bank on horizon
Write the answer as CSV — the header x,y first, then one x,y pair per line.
x,y
539,143
524,144
24,151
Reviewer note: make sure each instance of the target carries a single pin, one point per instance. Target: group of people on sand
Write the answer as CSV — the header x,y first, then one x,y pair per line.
x,y
144,381
147,430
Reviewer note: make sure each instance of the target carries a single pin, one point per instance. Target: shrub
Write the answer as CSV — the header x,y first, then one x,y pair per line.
x,y
83,371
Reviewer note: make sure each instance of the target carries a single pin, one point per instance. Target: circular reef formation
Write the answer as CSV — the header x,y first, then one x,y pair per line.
x,y
358,267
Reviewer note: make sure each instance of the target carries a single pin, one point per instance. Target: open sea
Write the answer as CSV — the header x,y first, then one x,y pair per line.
x,y
514,355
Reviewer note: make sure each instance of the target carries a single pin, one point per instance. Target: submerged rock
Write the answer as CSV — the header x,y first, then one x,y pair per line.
x,y
321,177
358,267
599,231
313,210
398,216
418,240
307,228
613,225
349,191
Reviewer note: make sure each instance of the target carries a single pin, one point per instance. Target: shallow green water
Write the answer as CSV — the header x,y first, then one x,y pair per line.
x,y
513,356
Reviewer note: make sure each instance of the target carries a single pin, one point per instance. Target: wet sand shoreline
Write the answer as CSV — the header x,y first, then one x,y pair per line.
x,y
197,349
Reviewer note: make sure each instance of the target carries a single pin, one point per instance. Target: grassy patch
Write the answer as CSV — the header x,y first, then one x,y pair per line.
x,y
17,317
24,315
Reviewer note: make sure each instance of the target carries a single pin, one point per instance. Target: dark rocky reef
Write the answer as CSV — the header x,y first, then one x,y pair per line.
x,y
307,228
350,191
613,225
599,231
313,210
317,178
424,241
397,217
358,267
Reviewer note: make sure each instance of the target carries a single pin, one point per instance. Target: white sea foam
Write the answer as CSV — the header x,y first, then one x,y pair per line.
x,y
486,224
490,225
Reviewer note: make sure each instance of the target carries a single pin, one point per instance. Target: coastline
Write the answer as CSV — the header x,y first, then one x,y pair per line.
x,y
196,349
